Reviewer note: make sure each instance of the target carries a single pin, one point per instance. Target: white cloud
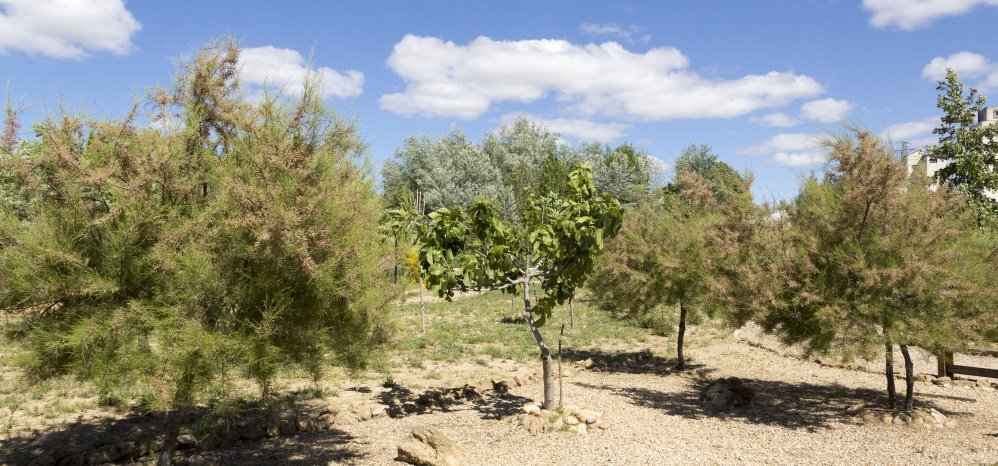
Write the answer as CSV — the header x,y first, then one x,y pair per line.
x,y
626,33
66,28
913,14
285,70
826,110
791,149
444,79
580,129
780,120
798,159
917,133
967,65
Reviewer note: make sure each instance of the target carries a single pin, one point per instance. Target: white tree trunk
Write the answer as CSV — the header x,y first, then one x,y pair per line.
x,y
549,402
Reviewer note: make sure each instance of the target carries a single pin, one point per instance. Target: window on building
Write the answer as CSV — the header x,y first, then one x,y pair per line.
x,y
994,114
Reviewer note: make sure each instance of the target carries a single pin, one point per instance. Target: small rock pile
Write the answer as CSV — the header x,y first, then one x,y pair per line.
x,y
566,419
920,418
225,434
981,384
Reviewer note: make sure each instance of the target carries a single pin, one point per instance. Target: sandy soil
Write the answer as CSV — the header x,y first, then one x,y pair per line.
x,y
797,418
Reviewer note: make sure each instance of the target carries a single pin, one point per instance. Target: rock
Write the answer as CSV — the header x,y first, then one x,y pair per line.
x,y
104,454
537,425
524,419
186,442
950,423
531,408
602,424
940,418
286,424
363,413
304,423
856,408
379,410
589,416
557,424
128,450
500,386
429,447
324,421
943,381
586,364
924,377
196,460
887,418
902,418
581,429
964,383
981,383
571,420
346,418
569,410
519,380
251,431
726,393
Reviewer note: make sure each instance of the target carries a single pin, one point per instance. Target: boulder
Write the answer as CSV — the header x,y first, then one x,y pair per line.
x,y
940,418
537,425
855,409
378,410
531,408
943,381
104,454
428,446
726,393
589,416
346,418
902,418
924,377
186,442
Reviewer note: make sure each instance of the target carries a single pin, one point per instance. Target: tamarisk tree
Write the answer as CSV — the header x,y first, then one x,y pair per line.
x,y
868,258
556,242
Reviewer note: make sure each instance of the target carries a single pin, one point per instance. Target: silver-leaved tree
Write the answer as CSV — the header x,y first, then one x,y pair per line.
x,y
555,243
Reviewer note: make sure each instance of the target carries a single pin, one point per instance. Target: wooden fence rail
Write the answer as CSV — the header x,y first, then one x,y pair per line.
x,y
946,368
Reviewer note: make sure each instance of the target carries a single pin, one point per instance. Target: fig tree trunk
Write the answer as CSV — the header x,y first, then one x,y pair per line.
x,y
909,379
545,351
680,361
889,369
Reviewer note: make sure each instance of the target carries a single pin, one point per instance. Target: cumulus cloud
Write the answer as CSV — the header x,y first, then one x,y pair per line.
x,y
791,149
66,28
626,33
826,110
917,133
580,129
913,14
444,79
780,120
285,70
967,65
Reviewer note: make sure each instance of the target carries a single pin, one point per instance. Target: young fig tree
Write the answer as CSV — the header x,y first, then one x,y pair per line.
x,y
555,244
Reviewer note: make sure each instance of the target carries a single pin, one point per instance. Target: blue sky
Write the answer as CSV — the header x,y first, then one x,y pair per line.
x,y
758,81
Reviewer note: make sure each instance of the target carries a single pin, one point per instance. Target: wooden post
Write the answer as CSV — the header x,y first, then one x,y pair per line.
x,y
561,387
944,364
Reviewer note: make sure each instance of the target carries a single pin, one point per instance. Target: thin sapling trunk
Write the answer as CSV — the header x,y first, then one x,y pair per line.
x,y
545,351
422,323
680,361
571,313
889,369
909,380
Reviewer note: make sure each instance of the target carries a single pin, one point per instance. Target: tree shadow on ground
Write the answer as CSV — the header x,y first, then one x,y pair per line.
x,y
632,362
138,436
789,405
492,404
318,447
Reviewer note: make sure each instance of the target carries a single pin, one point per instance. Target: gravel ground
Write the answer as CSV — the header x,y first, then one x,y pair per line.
x,y
797,418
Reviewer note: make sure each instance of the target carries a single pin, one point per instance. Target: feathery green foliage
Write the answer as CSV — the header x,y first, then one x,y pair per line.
x,y
867,258
154,261
678,248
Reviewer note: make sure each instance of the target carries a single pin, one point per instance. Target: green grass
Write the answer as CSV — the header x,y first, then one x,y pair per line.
x,y
484,326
